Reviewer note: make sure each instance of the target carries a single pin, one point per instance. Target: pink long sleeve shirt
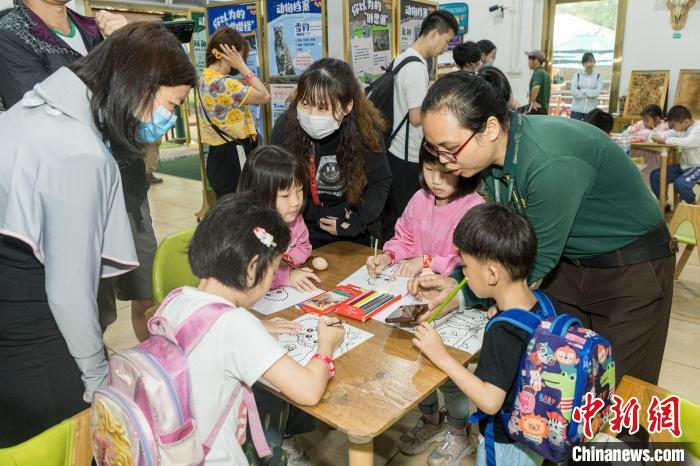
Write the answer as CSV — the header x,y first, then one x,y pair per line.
x,y
299,250
425,228
641,132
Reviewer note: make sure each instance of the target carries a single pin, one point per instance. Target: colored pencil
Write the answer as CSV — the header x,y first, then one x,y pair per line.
x,y
369,303
386,299
376,245
336,324
361,297
447,300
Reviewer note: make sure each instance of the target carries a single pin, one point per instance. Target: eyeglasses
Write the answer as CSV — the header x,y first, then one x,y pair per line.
x,y
449,156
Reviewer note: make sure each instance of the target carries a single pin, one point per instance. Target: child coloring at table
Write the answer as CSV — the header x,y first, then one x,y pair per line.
x,y
652,122
279,181
423,238
498,248
235,252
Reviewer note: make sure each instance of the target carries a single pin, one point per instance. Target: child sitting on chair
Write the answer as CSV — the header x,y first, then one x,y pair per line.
x,y
652,122
685,133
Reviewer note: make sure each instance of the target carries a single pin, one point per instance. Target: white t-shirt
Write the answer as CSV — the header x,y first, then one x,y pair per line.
x,y
74,40
410,88
689,140
236,348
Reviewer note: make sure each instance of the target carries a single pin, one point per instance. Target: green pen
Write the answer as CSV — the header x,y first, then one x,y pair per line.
x,y
447,300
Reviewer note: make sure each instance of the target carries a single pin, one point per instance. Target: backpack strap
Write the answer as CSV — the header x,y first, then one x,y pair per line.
x,y
489,438
192,330
562,324
546,309
394,71
520,318
159,325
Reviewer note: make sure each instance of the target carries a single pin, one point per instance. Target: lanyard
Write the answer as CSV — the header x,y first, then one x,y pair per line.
x,y
312,176
512,192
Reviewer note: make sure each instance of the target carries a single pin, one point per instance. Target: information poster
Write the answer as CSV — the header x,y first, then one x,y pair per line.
x,y
411,16
199,41
242,17
279,99
295,35
460,10
370,37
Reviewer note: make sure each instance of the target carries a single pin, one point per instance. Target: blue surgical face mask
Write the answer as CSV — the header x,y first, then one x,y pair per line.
x,y
161,122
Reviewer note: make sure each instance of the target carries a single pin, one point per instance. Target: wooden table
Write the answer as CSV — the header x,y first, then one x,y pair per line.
x,y
665,151
379,381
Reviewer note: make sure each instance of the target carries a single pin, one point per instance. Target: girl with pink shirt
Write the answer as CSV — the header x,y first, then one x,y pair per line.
x,y
423,239
652,122
278,181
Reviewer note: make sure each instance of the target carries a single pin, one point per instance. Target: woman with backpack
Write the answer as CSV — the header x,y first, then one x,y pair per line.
x,y
336,132
586,86
63,222
226,122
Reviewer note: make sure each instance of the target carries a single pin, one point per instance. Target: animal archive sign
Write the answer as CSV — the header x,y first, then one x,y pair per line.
x,y
295,35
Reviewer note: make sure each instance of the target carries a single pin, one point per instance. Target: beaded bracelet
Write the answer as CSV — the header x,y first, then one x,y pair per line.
x,y
327,361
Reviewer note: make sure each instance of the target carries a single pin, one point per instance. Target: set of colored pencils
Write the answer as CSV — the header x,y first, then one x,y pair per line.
x,y
371,300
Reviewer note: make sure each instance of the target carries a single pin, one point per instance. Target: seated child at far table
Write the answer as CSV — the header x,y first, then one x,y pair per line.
x,y
235,251
279,181
685,133
498,248
423,238
652,122
600,119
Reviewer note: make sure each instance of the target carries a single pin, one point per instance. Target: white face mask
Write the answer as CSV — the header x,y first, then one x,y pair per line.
x,y
317,126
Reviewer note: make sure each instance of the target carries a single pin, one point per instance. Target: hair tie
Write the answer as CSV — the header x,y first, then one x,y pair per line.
x,y
265,238
216,53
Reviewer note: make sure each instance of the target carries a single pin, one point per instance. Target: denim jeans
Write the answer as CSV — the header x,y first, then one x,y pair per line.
x,y
456,403
683,181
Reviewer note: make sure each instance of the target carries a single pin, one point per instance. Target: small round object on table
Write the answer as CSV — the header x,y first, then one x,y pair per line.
x,y
319,263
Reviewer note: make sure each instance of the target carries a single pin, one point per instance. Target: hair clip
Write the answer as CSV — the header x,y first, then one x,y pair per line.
x,y
216,54
265,238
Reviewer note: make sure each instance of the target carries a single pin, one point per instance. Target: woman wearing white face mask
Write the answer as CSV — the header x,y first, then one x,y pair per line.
x,y
63,222
336,131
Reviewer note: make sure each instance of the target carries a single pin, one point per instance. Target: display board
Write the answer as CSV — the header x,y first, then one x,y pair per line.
x,y
369,41
199,41
646,87
411,14
243,17
279,97
295,36
688,91
460,10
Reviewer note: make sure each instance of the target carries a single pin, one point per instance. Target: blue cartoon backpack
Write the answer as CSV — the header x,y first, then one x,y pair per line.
x,y
563,361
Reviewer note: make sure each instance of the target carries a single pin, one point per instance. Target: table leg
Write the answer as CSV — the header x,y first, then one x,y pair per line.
x,y
360,452
663,187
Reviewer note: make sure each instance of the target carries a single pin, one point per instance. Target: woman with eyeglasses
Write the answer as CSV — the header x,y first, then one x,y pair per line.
x,y
604,251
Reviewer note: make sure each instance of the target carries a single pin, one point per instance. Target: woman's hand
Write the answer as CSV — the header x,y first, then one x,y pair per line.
x,y
329,225
410,267
303,279
375,267
331,332
234,59
278,326
434,288
430,343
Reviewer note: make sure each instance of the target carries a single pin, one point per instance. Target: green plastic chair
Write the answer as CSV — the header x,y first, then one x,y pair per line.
x,y
685,227
171,269
66,444
690,424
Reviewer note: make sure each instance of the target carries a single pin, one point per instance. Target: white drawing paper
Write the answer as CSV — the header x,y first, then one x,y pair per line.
x,y
302,347
281,298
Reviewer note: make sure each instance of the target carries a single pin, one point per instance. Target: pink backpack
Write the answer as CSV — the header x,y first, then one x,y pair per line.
x,y
144,416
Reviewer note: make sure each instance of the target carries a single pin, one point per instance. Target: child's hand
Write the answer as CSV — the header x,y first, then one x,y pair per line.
x,y
658,139
410,267
331,333
434,288
278,326
375,267
302,279
430,343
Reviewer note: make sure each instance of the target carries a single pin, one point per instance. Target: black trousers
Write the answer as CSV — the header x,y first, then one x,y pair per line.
x,y
403,186
224,167
40,382
629,305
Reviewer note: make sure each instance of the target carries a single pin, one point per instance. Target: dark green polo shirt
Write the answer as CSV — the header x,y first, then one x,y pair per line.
x,y
581,192
541,78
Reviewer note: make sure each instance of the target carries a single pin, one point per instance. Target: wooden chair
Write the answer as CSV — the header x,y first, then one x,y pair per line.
x,y
685,227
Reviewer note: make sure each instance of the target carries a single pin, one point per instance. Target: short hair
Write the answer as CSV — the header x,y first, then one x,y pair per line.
x,y
653,111
464,185
486,46
588,56
224,243
226,36
466,54
492,232
441,20
600,119
270,169
679,113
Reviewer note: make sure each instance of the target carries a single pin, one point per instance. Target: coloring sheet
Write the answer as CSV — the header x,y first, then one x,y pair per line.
x,y
302,347
281,298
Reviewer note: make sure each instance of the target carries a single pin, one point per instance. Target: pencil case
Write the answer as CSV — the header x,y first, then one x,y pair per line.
x,y
329,301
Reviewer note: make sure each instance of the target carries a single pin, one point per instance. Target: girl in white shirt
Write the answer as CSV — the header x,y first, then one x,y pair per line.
x,y
235,252
586,86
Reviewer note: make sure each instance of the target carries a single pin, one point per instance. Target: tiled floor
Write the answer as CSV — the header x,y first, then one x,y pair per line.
x,y
173,207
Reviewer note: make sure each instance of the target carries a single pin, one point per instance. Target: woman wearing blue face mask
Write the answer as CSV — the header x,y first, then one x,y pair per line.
x,y
63,221
332,127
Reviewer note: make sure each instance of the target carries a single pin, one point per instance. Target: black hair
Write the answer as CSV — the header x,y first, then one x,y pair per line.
x,y
441,20
588,56
224,243
486,46
600,119
466,54
270,169
464,185
653,111
679,113
470,98
123,73
498,80
492,232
